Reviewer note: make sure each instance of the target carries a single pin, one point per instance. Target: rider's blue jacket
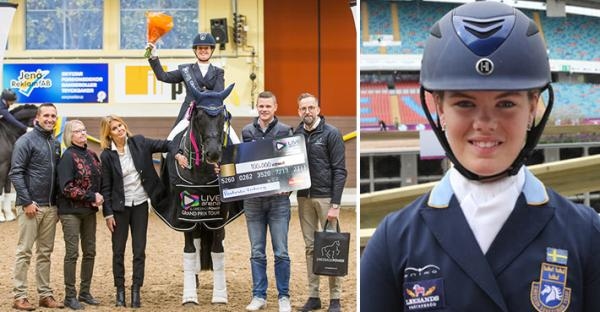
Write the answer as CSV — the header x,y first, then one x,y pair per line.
x,y
213,80
7,116
424,257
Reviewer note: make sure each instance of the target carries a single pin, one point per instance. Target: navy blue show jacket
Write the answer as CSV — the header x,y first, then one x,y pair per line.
x,y
426,258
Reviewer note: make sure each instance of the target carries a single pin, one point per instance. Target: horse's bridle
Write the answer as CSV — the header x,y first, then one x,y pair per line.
x,y
199,149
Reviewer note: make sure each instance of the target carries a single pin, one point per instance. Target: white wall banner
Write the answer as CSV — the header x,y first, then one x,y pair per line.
x,y
7,11
354,10
429,146
136,83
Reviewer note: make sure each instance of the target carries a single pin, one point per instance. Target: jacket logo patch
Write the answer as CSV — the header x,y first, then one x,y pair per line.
x,y
424,295
550,293
430,269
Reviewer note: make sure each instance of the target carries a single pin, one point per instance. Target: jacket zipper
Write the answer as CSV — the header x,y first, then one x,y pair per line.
x,y
308,152
52,171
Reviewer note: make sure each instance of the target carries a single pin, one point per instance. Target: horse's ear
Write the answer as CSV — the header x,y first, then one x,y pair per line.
x,y
225,93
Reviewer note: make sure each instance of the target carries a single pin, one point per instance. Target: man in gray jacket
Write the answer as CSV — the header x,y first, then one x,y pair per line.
x,y
33,174
321,202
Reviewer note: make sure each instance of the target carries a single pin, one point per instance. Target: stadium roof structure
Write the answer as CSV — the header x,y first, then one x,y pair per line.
x,y
412,62
553,7
594,4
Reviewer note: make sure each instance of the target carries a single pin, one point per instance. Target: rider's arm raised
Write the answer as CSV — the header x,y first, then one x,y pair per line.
x,y
173,76
7,116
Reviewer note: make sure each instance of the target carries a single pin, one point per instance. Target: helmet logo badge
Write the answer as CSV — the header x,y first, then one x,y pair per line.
x,y
202,37
484,66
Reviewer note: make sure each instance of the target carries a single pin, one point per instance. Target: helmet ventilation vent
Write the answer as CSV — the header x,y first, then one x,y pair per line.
x,y
483,29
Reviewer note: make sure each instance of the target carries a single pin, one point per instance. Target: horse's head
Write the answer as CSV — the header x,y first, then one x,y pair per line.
x,y
207,122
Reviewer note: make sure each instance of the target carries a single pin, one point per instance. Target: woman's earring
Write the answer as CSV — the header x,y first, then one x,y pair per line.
x,y
443,126
529,126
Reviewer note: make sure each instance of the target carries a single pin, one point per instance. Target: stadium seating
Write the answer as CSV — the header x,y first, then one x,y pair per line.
x,y
570,38
575,102
380,22
376,104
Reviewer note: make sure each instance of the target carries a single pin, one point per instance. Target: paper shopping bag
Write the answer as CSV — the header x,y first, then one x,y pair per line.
x,y
331,252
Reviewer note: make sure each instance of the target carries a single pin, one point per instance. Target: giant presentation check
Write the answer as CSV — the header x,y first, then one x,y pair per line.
x,y
264,167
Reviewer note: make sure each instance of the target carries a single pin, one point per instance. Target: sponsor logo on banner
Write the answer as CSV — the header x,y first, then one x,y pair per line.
x,y
197,204
58,83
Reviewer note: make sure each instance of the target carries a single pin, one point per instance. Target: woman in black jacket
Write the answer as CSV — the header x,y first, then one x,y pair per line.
x,y
79,178
129,180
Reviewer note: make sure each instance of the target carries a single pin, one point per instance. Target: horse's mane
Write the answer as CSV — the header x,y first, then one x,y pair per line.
x,y
24,113
19,108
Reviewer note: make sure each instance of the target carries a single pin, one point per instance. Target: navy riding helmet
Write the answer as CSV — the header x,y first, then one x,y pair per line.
x,y
204,39
486,46
9,95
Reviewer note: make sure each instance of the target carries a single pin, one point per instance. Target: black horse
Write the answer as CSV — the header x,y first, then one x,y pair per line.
x,y
8,136
195,207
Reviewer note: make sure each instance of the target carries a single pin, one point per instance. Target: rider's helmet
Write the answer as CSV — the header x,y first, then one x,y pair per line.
x,y
485,46
204,39
9,95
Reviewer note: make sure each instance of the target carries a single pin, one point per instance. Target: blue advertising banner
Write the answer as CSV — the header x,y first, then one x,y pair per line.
x,y
58,83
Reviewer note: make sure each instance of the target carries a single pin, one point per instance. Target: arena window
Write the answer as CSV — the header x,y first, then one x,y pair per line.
x,y
58,25
133,30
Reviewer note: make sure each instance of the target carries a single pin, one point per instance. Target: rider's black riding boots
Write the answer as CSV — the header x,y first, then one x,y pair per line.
x,y
120,298
135,296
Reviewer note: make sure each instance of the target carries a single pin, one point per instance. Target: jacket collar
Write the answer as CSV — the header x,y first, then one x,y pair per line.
x,y
209,70
533,189
269,127
453,234
319,127
42,131
113,146
79,148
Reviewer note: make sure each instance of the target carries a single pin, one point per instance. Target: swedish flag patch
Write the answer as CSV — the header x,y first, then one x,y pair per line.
x,y
558,256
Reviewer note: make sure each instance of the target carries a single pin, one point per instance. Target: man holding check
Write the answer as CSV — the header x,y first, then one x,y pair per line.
x,y
268,211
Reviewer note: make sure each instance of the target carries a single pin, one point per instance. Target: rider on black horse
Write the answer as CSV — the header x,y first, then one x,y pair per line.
x,y
198,77
7,99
